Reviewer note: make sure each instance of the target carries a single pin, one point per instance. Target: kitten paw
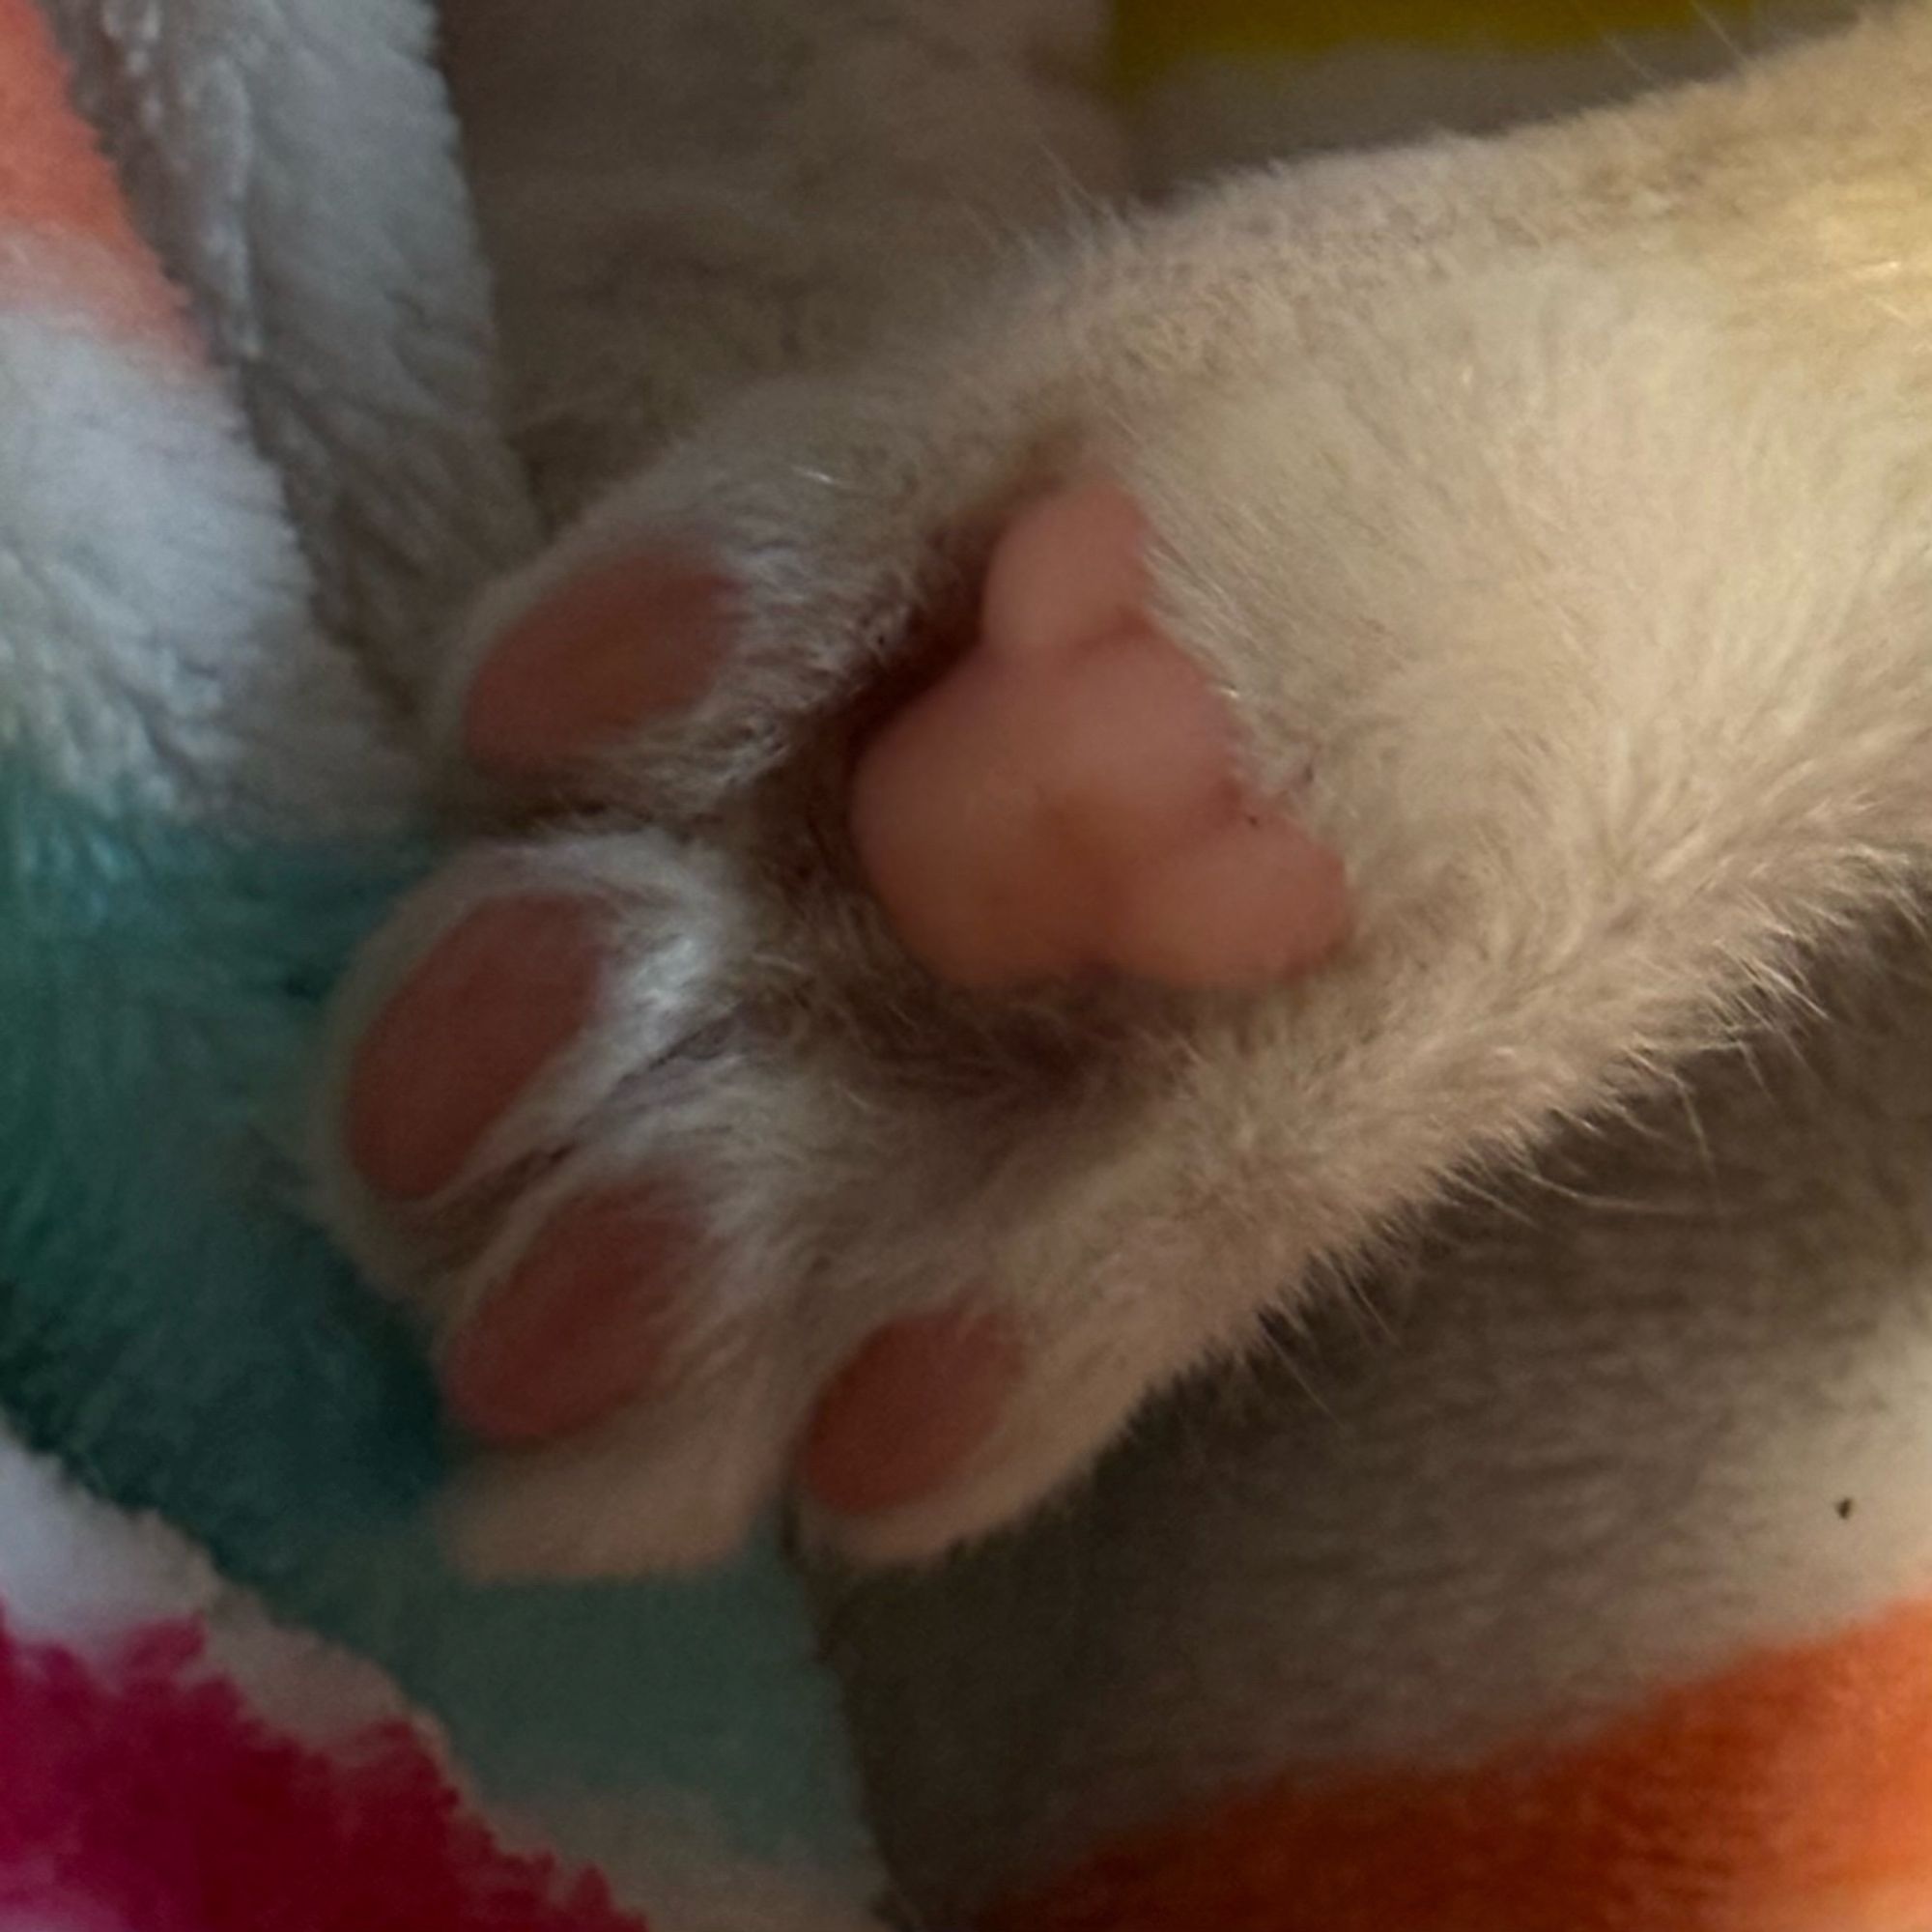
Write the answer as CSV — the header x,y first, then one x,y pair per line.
x,y
646,1124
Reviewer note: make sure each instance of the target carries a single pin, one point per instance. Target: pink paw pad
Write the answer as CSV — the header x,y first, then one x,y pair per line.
x,y
1067,798
906,1413
579,1326
595,662
498,997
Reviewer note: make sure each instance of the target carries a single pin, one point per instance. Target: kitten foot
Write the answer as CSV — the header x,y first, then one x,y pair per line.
x,y
1062,804
1068,796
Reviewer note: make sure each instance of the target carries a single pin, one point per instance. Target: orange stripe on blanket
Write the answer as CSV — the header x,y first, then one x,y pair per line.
x,y
1791,1795
56,185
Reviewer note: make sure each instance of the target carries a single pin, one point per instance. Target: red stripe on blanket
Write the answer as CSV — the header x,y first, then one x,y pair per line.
x,y
55,184
142,1791
1793,1794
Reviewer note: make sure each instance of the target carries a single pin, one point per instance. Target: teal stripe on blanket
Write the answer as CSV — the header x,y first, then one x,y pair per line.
x,y
174,1330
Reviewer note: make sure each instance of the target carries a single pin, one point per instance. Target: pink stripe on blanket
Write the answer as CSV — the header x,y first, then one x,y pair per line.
x,y
142,1791
67,241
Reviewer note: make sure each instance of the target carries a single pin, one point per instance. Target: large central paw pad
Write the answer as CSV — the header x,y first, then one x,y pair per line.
x,y
1067,799
1068,796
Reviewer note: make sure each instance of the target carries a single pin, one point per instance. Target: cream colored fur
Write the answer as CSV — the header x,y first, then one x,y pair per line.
x,y
1553,510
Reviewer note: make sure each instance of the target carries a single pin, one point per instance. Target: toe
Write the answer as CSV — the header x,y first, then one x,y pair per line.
x,y
498,997
1072,566
594,662
1068,796
578,1327
908,1410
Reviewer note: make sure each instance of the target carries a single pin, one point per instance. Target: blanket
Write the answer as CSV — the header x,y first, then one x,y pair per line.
x,y
249,469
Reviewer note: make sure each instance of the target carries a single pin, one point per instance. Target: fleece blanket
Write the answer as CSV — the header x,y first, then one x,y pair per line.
x,y
248,467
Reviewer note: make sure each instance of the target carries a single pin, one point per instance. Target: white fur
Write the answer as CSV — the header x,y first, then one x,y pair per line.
x,y
1524,488
684,196
1661,1408
1560,501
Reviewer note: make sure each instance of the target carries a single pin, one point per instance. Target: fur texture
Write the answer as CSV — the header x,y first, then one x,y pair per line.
x,y
1553,510
1449,455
